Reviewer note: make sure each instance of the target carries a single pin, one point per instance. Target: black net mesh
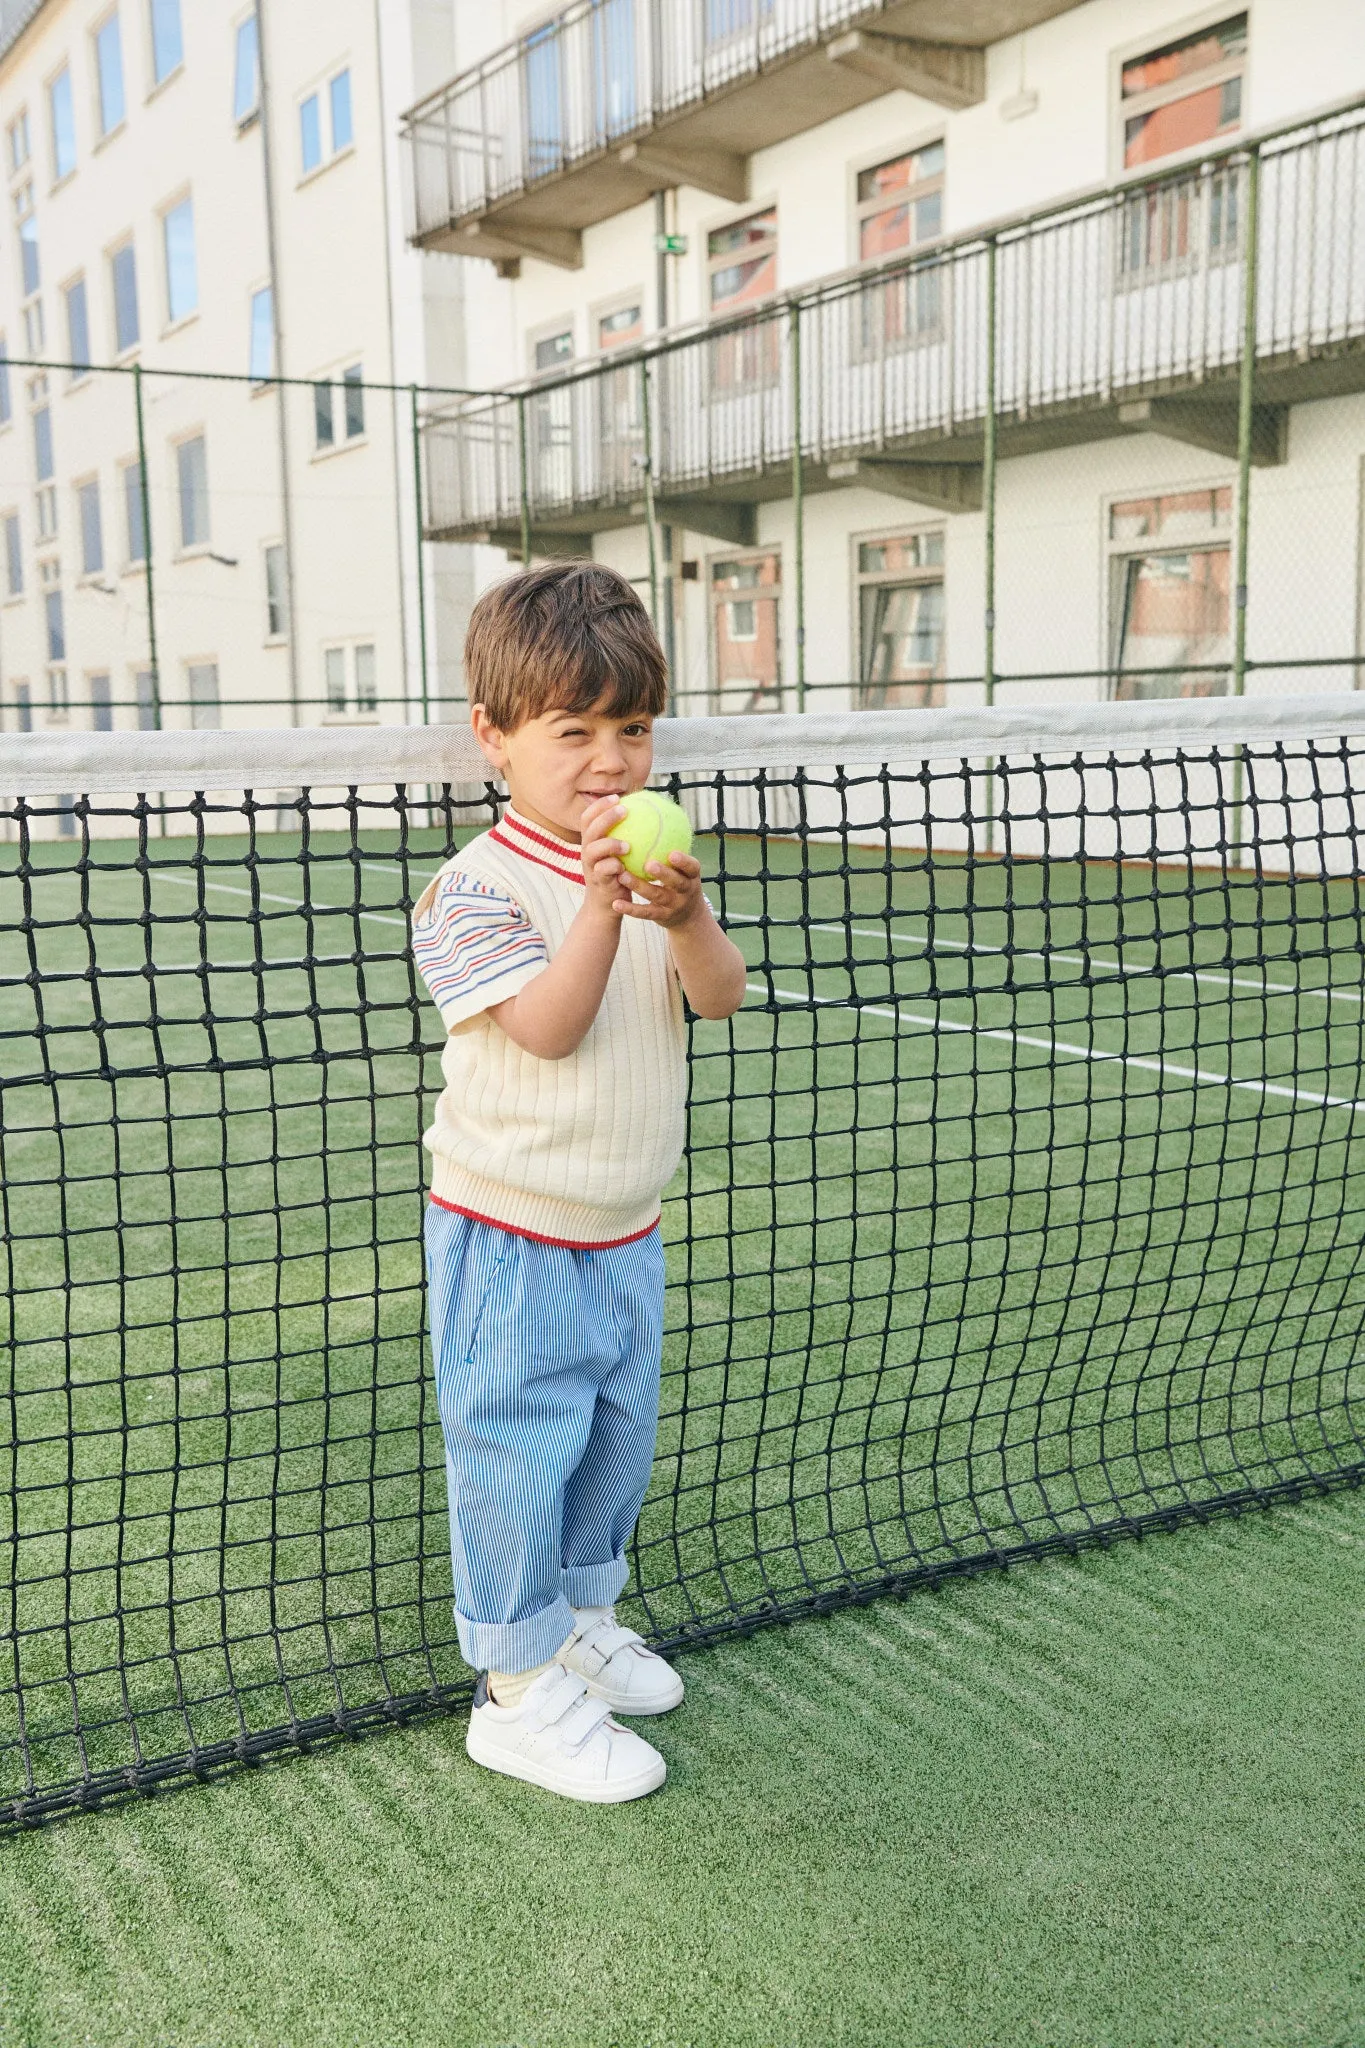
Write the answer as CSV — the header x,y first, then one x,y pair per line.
x,y
1024,1205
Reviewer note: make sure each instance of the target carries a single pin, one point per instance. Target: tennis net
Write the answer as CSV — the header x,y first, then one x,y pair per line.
x,y
1023,1204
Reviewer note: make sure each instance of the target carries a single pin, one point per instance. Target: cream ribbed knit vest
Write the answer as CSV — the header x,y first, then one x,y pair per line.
x,y
576,1150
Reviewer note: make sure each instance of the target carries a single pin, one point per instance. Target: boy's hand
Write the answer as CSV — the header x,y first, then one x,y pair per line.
x,y
671,889
604,877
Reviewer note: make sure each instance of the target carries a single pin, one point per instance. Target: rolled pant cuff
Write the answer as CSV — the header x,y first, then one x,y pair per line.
x,y
513,1646
594,1585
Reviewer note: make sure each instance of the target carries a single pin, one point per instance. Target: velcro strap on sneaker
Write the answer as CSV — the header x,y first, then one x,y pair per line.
x,y
581,1722
556,1700
599,1643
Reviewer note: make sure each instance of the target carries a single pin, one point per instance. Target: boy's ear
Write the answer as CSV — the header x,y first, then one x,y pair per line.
x,y
489,736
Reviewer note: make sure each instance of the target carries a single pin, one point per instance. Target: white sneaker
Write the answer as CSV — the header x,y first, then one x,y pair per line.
x,y
616,1667
558,1736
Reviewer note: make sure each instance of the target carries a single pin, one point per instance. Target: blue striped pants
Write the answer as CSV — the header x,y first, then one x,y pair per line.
x,y
547,1378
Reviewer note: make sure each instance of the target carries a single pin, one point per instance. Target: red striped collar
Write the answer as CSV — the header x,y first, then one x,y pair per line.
x,y
562,857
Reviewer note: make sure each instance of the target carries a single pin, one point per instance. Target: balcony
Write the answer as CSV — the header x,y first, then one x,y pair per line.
x,y
1118,313
615,99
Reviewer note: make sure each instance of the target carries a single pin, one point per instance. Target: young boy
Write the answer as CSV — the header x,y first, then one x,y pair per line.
x,y
560,982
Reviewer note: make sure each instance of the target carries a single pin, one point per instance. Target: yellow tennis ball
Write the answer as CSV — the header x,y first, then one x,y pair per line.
x,y
652,828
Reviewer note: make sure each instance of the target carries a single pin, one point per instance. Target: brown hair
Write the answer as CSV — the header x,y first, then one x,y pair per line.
x,y
564,637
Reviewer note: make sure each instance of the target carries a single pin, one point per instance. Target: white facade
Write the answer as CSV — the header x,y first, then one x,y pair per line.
x,y
220,213
1050,125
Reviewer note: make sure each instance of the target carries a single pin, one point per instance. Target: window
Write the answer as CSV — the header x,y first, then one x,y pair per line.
x,y
333,103
42,444
339,99
246,72
1184,93
310,132
728,19
745,593
349,677
55,624
77,328
123,278
14,556
621,328
1170,594
168,49
92,531
552,351
205,710
261,353
134,512
741,272
6,402
182,277
353,399
192,482
148,709
276,593
62,116
23,705
101,704
28,252
339,412
900,207
17,142
109,71
900,621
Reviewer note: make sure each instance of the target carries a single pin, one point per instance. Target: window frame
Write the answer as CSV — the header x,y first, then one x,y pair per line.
x,y
6,387
126,245
135,565
321,89
19,123
187,550
1161,39
110,18
12,523
160,79
1116,551
165,214
197,664
350,711
244,120
774,593
862,209
275,636
81,368
861,579
79,487
335,383
263,380
58,176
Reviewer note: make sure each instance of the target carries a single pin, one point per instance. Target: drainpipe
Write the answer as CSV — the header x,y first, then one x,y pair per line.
x,y
661,323
281,390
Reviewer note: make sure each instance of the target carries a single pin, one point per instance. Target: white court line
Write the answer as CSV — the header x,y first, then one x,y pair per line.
x,y
1057,1045
1223,977
290,902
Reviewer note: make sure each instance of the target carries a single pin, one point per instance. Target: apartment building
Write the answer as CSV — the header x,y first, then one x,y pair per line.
x,y
896,348
203,198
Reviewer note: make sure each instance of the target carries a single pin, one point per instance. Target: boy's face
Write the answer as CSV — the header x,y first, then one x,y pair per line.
x,y
557,764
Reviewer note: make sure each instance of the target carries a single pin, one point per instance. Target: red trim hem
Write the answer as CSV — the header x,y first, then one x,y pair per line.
x,y
566,1244
563,847
534,858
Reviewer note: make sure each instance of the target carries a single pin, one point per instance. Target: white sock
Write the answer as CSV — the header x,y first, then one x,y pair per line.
x,y
584,1617
509,1688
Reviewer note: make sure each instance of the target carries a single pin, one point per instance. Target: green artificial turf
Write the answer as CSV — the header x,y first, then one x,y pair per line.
x,y
1114,1801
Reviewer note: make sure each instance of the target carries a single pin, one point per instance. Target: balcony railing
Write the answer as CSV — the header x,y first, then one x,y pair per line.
x,y
609,73
1121,311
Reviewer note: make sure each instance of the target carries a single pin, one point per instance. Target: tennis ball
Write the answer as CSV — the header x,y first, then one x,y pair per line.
x,y
652,828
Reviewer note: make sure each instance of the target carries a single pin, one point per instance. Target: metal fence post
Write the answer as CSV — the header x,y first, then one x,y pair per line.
x,y
421,565
988,459
1246,400
798,504
146,501
525,482
651,521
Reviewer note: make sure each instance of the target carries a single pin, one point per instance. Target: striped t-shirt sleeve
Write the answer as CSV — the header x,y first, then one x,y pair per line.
x,y
473,946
